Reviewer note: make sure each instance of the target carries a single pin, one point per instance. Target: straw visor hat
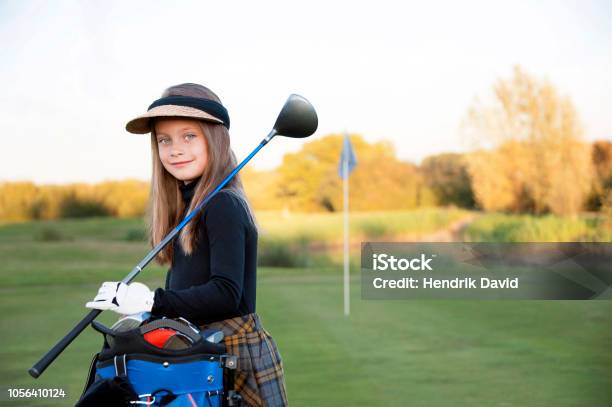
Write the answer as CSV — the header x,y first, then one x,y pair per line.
x,y
180,106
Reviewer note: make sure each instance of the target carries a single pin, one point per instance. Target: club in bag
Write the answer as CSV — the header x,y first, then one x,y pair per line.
x,y
297,119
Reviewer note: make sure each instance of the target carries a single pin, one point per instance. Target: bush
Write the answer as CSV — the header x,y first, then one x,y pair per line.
x,y
286,253
73,207
498,227
276,253
49,234
136,235
374,229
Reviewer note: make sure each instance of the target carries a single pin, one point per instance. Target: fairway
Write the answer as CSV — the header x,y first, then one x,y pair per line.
x,y
386,353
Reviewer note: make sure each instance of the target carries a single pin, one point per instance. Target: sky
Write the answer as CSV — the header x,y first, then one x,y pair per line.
x,y
72,73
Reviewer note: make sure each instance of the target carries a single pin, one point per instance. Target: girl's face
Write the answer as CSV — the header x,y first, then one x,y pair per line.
x,y
182,147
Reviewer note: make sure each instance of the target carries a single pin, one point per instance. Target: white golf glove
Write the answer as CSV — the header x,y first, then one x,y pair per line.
x,y
122,298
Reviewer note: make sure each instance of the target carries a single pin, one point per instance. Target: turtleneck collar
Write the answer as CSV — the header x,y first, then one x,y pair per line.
x,y
187,191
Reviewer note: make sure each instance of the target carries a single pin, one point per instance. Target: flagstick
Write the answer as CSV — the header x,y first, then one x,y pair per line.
x,y
346,240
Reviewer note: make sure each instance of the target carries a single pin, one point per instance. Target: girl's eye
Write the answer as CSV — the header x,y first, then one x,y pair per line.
x,y
166,140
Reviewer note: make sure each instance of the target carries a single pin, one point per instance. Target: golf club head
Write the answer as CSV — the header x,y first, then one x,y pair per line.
x,y
297,118
127,322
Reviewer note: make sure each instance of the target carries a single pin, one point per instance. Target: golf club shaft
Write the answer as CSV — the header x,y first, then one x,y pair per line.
x,y
40,366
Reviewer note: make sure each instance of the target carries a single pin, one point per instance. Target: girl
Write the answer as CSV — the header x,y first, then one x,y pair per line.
x,y
212,279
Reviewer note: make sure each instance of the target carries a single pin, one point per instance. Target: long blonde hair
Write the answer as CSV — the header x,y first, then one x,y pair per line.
x,y
166,208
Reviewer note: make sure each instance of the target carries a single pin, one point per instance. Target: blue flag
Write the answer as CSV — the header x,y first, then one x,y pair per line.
x,y
347,155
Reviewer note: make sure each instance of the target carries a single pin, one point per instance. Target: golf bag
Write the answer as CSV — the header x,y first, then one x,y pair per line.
x,y
134,369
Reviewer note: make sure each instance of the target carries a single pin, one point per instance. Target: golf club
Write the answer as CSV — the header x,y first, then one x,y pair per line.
x,y
297,119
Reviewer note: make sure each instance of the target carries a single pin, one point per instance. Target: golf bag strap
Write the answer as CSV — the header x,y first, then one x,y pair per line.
x,y
120,365
231,398
170,323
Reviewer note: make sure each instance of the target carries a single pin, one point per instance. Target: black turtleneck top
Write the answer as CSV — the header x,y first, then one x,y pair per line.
x,y
218,280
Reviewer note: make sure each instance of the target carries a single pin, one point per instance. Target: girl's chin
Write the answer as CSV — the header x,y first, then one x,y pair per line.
x,y
184,175
185,172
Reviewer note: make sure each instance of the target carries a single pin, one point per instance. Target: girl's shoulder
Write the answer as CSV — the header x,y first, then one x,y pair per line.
x,y
223,200
226,205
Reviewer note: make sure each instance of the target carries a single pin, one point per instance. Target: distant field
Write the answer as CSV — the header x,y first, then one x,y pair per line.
x,y
387,353
322,226
62,251
548,228
363,225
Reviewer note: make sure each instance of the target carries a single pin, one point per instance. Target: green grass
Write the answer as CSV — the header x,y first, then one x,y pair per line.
x,y
103,228
428,353
386,353
497,227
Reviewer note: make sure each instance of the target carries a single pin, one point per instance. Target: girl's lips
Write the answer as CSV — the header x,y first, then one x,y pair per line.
x,y
181,163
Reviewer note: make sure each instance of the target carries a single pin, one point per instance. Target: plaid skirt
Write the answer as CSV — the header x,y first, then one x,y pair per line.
x,y
259,376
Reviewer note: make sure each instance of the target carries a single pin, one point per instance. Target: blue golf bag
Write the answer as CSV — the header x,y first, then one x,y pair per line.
x,y
131,371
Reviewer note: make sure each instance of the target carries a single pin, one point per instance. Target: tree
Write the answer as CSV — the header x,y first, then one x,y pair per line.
x,y
308,180
260,187
447,176
602,182
16,199
531,156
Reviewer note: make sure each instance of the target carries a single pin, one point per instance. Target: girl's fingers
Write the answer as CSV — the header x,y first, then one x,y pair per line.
x,y
103,305
108,287
104,298
105,292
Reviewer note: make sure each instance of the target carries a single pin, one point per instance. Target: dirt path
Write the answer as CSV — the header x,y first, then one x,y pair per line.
x,y
454,233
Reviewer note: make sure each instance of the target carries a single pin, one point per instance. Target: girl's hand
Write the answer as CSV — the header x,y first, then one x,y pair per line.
x,y
122,298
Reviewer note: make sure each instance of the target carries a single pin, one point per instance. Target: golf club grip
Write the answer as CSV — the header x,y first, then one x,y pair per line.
x,y
40,366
